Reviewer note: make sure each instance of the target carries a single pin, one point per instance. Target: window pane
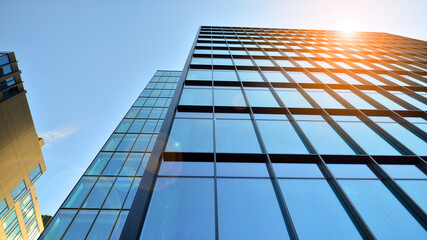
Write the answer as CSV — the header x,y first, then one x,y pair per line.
x,y
316,211
297,170
351,171
232,169
124,125
81,224
403,171
142,142
229,97
383,100
292,98
98,193
194,74
119,225
112,143
354,99
250,76
136,126
383,213
407,138
59,224
103,225
224,75
181,208
222,61
132,193
281,137
118,193
115,164
236,136
261,97
131,164
417,190
324,138
177,168
197,97
368,139
248,209
79,192
325,78
191,135
127,142
347,78
275,77
300,77
323,98
37,171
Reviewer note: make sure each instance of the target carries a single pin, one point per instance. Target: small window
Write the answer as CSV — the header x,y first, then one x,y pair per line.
x,y
250,76
233,169
297,170
178,168
35,174
18,191
351,170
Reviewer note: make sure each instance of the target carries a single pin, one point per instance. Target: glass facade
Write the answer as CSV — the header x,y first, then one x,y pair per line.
x,y
274,134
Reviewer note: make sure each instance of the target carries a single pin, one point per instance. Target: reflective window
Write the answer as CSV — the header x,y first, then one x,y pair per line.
x,y
132,193
196,96
323,98
275,76
243,62
292,98
351,171
177,168
103,225
191,135
315,210
228,96
131,164
384,214
297,170
368,139
281,137
264,63
115,164
118,193
18,191
284,63
300,77
237,169
142,142
136,126
196,74
201,61
81,224
113,142
236,136
59,224
325,78
383,100
222,61
119,225
261,97
124,125
79,193
35,174
99,192
417,190
224,75
324,138
354,99
347,78
371,79
414,102
403,171
248,209
127,142
250,76
181,208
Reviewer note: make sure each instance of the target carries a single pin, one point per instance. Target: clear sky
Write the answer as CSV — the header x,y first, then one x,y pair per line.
x,y
84,62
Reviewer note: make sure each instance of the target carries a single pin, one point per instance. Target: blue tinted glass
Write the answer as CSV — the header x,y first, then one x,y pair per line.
x,y
316,211
354,99
118,193
59,224
368,139
18,190
233,136
81,224
236,169
177,168
386,102
417,190
248,209
98,163
280,137
181,208
119,225
144,162
124,125
243,62
384,214
275,77
222,61
292,98
98,193
261,98
202,61
407,138
229,97
115,164
297,170
299,77
136,126
191,135
37,171
199,74
79,192
250,76
103,225
113,142
131,164
132,193
323,98
195,96
351,171
403,171
324,138
3,207
142,142
127,142
225,75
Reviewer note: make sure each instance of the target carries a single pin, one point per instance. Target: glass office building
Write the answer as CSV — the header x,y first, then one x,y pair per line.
x,y
270,134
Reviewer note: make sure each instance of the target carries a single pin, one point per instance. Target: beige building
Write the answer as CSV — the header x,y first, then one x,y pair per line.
x,y
21,159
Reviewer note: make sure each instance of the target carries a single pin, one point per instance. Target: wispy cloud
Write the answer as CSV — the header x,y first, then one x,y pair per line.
x,y
57,134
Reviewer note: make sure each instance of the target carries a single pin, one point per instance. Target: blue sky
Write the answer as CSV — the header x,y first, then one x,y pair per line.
x,y
84,62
